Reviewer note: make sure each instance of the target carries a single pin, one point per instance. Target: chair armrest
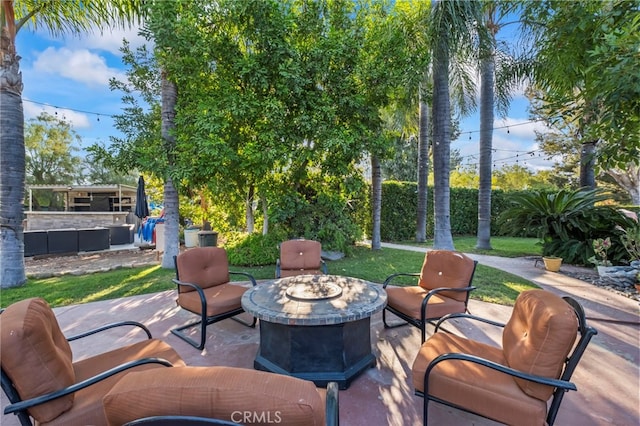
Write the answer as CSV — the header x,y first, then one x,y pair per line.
x,y
468,316
109,326
246,274
557,383
278,271
28,403
332,412
399,274
435,291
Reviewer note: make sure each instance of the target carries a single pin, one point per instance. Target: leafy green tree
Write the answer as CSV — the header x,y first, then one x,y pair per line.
x,y
57,17
587,60
50,145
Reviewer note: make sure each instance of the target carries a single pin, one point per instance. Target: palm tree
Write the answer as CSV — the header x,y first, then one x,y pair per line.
x,y
452,34
58,17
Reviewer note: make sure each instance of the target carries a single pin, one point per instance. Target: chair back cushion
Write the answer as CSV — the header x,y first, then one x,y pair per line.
x,y
300,254
234,394
204,266
36,355
538,337
444,268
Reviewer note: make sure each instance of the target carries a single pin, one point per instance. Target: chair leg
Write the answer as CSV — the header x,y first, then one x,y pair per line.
x,y
203,330
251,324
384,321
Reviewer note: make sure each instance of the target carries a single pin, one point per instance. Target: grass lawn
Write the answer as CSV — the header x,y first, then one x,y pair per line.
x,y
493,285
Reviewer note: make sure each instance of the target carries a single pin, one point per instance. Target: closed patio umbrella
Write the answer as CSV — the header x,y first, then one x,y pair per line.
x,y
142,207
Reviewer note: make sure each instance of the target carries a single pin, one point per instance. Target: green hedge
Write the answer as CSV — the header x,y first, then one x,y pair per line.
x,y
399,210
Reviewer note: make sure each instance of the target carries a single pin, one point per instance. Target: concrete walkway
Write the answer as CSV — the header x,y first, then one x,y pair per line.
x,y
608,377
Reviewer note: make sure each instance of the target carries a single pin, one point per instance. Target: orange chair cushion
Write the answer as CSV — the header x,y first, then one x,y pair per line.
x,y
408,300
538,337
477,388
443,268
228,393
36,355
87,407
220,299
300,255
284,273
204,266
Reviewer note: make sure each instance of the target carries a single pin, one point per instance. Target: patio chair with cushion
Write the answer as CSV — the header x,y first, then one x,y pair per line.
x,y
204,288
300,257
443,288
40,378
511,384
230,394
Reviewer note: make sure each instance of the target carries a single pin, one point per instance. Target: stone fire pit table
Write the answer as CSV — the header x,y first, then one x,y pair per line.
x,y
315,327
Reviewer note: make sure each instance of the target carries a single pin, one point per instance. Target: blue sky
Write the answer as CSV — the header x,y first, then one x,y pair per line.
x,y
68,77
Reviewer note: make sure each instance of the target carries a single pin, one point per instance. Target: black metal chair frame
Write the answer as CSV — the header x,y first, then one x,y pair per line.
x,y
422,322
562,385
204,320
323,267
332,416
20,407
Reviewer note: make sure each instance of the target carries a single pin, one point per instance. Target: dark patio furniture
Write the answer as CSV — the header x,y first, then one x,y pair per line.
x,y
62,241
204,288
121,234
512,384
93,239
35,243
443,288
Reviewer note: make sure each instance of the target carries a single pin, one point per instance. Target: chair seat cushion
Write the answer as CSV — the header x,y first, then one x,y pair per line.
x,y
220,299
87,407
233,394
408,300
487,392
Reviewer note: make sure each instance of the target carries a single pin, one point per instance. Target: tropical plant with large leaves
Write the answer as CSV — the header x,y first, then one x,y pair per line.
x,y
566,222
58,18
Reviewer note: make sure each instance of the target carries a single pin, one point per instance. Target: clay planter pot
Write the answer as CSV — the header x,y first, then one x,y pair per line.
x,y
552,263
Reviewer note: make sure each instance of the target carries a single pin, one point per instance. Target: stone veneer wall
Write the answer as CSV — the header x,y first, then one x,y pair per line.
x,y
64,220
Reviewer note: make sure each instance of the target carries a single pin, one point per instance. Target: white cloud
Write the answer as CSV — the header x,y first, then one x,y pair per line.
x,y
79,65
109,40
78,120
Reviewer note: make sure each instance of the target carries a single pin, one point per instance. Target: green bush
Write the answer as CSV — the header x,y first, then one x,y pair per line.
x,y
253,249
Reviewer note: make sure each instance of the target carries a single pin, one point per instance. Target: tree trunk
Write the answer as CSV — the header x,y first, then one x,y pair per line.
x,y
376,201
587,165
171,202
423,172
629,180
12,159
265,215
441,145
248,213
487,87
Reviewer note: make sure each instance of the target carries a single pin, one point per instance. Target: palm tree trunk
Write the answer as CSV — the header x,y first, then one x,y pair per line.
x,y
587,165
376,201
423,172
441,145
12,158
171,203
248,212
487,73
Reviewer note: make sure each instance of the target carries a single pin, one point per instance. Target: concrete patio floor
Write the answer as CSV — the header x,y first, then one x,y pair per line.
x,y
608,377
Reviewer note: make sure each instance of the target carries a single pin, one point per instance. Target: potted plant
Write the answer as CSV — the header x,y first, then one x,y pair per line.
x,y
600,259
552,263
